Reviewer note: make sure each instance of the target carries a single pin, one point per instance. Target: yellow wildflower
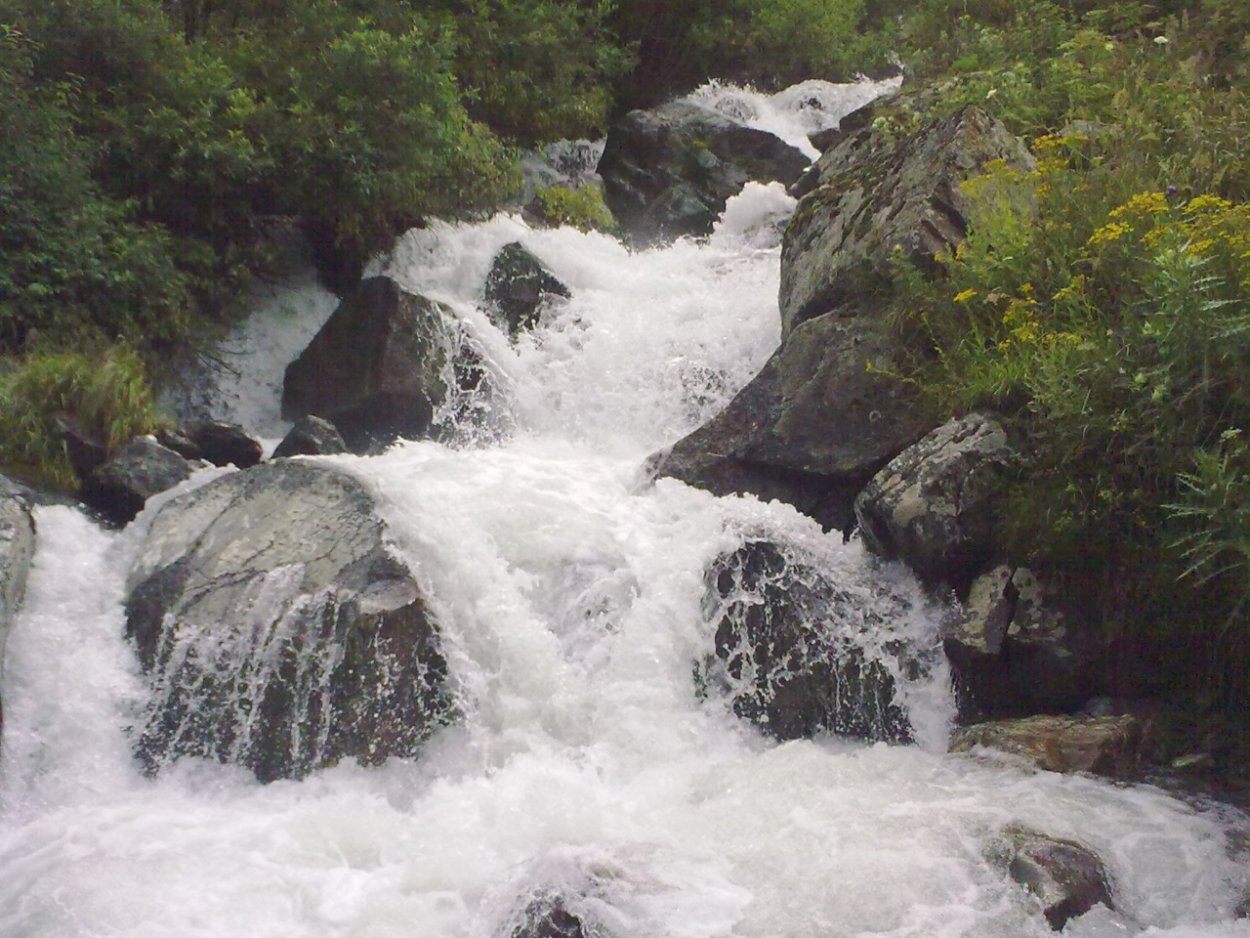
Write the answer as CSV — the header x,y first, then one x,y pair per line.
x,y
1144,203
963,296
1112,231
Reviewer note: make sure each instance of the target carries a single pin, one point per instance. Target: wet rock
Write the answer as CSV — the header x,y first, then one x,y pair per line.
x,y
176,438
137,471
1067,878
17,548
1109,745
936,506
222,444
518,286
1016,651
669,171
375,370
875,196
549,917
311,436
794,653
277,631
822,417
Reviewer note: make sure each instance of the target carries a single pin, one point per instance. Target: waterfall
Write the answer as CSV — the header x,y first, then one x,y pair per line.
x,y
600,759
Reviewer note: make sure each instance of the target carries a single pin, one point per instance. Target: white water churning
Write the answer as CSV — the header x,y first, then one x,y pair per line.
x,y
574,610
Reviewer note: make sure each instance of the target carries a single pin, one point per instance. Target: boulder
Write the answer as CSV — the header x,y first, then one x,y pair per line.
x,y
549,917
1015,650
1067,878
668,172
1108,746
137,471
311,436
376,368
875,196
176,438
277,631
937,505
822,417
518,286
792,650
223,444
17,548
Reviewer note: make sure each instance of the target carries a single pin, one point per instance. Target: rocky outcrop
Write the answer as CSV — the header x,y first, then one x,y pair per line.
x,y
792,653
137,471
1015,651
669,171
518,286
17,548
1067,878
222,444
1109,745
827,412
821,418
875,196
311,436
277,631
376,369
936,505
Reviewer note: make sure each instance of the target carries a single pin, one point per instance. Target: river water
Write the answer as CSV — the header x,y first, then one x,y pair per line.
x,y
570,597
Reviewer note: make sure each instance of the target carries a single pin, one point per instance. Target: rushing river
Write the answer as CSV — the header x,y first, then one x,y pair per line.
x,y
569,594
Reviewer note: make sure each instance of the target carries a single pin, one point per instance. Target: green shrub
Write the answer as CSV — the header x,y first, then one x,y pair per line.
x,y
106,395
582,207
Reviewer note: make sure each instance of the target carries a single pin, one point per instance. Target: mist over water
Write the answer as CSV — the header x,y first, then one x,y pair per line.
x,y
570,598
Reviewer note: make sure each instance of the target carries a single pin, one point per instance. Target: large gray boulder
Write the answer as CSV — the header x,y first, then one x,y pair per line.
x,y
1066,878
822,417
1017,649
376,370
669,171
311,436
937,505
277,631
138,470
17,548
875,196
794,653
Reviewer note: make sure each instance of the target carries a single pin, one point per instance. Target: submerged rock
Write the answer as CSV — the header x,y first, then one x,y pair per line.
x,y
795,654
1067,878
936,505
311,436
518,286
277,631
875,196
137,471
669,171
1109,745
17,549
549,917
376,368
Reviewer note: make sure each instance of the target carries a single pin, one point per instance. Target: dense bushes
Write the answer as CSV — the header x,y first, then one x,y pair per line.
x,y
1103,303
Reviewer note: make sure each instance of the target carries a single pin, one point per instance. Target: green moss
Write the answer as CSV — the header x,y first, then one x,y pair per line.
x,y
582,207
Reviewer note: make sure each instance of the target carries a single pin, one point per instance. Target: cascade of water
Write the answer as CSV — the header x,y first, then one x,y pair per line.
x,y
580,614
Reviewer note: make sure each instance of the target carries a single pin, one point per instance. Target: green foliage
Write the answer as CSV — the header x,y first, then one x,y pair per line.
x,y
106,395
71,256
582,207
537,70
770,43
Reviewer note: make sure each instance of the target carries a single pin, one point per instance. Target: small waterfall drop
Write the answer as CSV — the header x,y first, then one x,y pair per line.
x,y
598,759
